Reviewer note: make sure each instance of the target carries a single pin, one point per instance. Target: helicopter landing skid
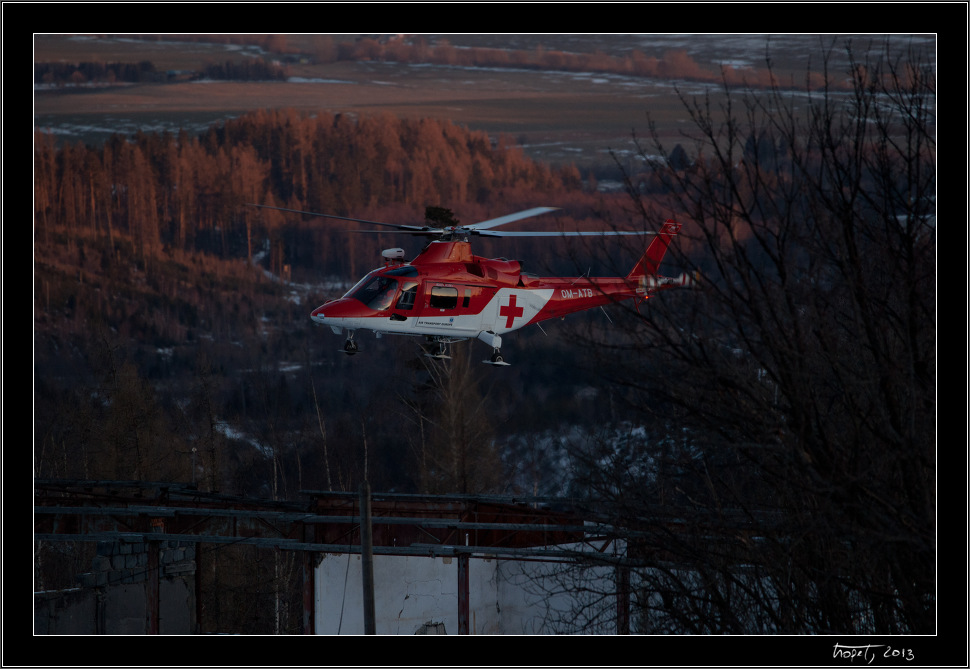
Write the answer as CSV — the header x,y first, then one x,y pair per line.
x,y
496,360
350,346
437,348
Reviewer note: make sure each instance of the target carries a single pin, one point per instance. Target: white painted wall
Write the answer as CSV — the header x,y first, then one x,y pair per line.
x,y
408,592
505,596
555,598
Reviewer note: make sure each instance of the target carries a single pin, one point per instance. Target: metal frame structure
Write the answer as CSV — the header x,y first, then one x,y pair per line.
x,y
461,526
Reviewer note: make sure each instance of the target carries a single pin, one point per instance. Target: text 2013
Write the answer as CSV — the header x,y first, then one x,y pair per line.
x,y
870,652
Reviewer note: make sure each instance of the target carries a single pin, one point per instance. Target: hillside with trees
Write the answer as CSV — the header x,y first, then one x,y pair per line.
x,y
172,339
768,442
162,191
156,282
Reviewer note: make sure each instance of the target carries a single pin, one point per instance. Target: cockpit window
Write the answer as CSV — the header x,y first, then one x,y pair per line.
x,y
378,293
408,293
357,286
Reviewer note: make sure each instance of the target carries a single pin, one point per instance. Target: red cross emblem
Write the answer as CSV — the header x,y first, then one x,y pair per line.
x,y
511,311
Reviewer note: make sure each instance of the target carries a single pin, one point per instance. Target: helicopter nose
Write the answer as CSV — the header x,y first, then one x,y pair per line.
x,y
343,308
319,314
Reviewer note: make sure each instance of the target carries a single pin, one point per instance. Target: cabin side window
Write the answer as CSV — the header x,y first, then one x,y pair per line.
x,y
444,297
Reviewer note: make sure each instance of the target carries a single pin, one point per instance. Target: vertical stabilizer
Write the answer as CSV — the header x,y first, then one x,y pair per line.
x,y
650,262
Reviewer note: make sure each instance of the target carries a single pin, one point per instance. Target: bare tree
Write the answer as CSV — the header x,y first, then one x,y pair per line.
x,y
456,452
787,480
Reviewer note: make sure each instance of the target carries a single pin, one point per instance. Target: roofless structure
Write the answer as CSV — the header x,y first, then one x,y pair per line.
x,y
462,528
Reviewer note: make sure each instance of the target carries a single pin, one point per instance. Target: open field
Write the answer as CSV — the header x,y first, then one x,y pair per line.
x,y
555,125
559,117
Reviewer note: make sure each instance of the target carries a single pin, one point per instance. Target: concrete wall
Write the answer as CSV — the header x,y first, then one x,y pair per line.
x,y
73,611
417,595
112,597
408,593
556,598
413,595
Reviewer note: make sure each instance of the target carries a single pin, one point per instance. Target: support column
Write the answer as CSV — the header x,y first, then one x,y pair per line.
x,y
199,590
463,593
367,559
622,600
152,589
308,583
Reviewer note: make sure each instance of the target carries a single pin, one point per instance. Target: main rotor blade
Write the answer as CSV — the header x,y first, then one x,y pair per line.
x,y
399,226
502,220
418,232
564,233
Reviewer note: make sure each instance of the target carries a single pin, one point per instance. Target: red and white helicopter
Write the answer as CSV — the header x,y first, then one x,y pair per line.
x,y
446,294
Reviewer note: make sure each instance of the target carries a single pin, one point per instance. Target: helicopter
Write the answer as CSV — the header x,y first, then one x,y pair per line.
x,y
446,294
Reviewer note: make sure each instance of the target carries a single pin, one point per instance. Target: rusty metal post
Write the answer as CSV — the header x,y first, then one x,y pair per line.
x,y
309,534
199,590
308,581
367,559
152,589
622,599
463,593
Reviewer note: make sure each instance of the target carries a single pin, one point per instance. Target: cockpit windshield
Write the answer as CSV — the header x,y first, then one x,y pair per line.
x,y
377,293
377,289
359,284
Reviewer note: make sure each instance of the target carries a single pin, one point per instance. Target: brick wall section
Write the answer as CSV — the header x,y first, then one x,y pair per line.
x,y
112,597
